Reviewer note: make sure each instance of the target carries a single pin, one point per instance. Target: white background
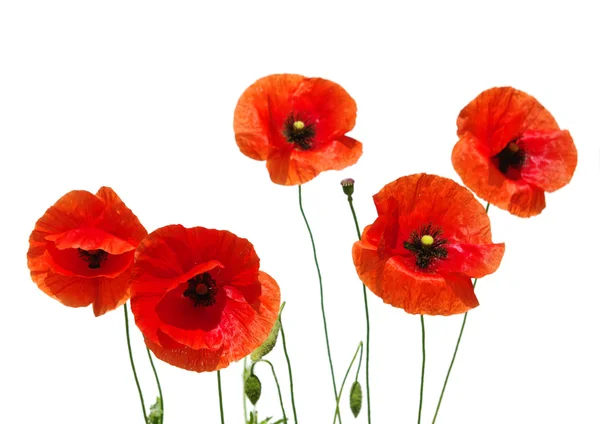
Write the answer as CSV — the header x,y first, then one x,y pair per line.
x,y
139,96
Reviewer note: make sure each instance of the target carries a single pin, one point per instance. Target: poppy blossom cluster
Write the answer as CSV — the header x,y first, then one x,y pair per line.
x,y
511,150
431,236
297,125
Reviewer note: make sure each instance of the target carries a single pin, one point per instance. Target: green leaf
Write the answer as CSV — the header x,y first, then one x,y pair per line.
x,y
156,412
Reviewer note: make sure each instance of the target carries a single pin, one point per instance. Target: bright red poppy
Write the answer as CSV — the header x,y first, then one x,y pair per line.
x,y
511,150
298,125
430,238
81,250
199,298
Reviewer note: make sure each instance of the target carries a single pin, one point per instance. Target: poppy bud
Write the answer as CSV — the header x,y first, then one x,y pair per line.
x,y
268,344
348,186
252,388
355,398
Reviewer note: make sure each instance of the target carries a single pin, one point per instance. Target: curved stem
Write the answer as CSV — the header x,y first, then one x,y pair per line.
x,y
462,329
137,382
278,389
244,391
320,290
368,338
337,400
162,402
287,358
422,367
220,397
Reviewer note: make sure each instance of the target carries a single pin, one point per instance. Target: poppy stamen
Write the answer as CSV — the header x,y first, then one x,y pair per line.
x,y
298,132
94,258
202,290
510,160
427,246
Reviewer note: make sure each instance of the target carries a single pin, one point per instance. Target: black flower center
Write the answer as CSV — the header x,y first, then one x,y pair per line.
x,y
299,131
426,245
94,258
510,160
202,290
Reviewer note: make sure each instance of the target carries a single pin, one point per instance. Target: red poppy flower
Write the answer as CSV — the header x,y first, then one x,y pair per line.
x,y
199,298
511,150
81,250
297,125
430,238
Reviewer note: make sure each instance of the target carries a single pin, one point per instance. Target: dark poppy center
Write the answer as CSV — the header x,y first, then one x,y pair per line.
x,y
202,290
427,246
510,160
94,258
299,131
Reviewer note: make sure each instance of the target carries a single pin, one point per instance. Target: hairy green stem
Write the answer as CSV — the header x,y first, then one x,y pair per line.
x,y
422,368
289,364
220,397
162,402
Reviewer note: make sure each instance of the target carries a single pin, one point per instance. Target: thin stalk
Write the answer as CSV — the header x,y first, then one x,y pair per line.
x,y
462,329
368,338
220,397
162,402
244,391
278,389
312,240
422,368
137,382
287,358
337,401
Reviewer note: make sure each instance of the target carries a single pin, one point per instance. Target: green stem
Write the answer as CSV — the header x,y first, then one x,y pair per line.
x,y
137,382
162,402
422,367
244,391
287,358
337,401
462,328
368,339
320,290
278,389
220,397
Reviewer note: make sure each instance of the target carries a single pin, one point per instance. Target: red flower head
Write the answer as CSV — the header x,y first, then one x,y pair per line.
x,y
199,298
81,250
431,236
297,125
511,150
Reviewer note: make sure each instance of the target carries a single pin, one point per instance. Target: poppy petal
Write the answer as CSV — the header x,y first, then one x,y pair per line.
x,y
264,104
473,260
90,239
479,174
111,293
501,114
551,159
296,167
425,294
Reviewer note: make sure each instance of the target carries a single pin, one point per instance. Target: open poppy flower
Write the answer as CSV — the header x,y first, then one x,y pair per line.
x,y
430,238
81,250
298,125
511,150
199,298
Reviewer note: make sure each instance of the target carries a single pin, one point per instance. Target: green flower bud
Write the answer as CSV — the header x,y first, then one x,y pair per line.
x,y
252,388
355,398
268,344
